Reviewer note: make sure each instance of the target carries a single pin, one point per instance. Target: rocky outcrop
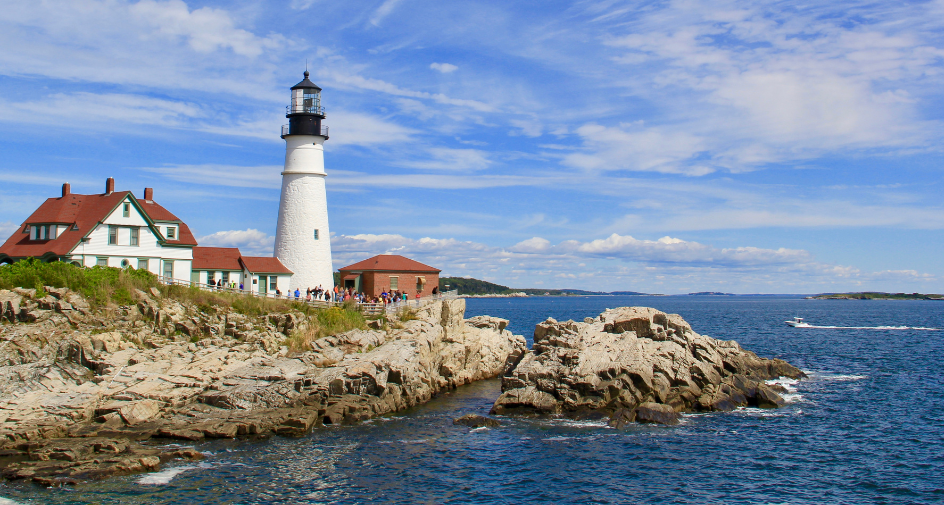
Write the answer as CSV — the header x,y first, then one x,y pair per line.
x,y
71,378
636,364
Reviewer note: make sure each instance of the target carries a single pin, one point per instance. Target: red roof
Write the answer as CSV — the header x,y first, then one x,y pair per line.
x,y
84,212
257,264
216,258
391,263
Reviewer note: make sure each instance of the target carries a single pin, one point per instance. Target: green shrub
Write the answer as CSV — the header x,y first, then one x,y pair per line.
x,y
100,285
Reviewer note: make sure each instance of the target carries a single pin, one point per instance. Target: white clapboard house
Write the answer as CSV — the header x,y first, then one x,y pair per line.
x,y
118,230
109,229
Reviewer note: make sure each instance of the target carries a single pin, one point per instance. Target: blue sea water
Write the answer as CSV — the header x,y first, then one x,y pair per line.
x,y
867,426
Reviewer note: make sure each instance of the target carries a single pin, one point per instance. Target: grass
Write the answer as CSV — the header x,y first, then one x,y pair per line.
x,y
99,285
104,286
323,323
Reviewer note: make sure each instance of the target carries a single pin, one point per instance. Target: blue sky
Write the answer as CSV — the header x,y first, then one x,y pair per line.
x,y
666,147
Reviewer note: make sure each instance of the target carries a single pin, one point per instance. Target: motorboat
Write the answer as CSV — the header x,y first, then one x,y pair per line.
x,y
797,322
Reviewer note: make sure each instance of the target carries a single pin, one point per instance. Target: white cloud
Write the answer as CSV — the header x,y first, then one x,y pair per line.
x,y
205,29
444,158
383,11
625,263
356,81
86,109
355,128
6,230
250,242
443,68
634,147
223,175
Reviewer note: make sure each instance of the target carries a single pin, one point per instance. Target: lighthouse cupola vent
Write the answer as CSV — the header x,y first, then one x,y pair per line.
x,y
305,113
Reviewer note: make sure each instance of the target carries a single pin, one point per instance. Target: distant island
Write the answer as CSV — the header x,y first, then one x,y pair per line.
x,y
711,293
469,286
872,295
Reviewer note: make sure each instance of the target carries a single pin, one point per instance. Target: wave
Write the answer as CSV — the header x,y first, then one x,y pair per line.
x,y
7,501
164,476
921,328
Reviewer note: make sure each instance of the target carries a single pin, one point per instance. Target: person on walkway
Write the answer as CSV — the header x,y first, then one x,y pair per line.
x,y
298,294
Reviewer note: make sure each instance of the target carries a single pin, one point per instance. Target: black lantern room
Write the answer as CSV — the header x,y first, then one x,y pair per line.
x,y
305,113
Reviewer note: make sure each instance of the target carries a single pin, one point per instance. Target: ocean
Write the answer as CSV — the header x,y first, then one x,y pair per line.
x,y
867,426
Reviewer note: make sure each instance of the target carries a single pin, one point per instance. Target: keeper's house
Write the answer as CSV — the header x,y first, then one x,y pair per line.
x,y
111,229
390,272
227,265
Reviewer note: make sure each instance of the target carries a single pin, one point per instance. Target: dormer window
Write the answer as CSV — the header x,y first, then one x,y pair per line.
x,y
171,233
126,210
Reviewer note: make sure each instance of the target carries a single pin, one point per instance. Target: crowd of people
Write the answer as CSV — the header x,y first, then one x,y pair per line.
x,y
338,294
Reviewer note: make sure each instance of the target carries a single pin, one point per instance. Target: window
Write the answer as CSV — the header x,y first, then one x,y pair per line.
x,y
394,283
101,261
316,234
51,234
125,263
112,235
171,233
225,278
34,233
135,233
42,232
27,229
169,268
273,283
211,276
143,264
126,210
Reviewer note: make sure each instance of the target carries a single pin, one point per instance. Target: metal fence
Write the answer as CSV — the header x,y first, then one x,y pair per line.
x,y
367,308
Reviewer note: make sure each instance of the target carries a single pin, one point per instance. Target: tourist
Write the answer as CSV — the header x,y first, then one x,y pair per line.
x,y
297,294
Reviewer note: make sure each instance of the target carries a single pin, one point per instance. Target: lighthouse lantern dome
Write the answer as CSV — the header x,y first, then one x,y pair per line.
x,y
306,98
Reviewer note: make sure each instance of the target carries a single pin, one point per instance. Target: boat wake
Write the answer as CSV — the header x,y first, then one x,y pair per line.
x,y
922,328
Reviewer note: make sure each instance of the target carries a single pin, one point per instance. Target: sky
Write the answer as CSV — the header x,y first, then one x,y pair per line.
x,y
660,147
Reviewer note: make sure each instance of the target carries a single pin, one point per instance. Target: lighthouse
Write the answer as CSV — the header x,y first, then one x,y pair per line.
x,y
302,240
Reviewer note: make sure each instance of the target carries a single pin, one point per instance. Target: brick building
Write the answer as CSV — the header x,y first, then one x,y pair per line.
x,y
391,272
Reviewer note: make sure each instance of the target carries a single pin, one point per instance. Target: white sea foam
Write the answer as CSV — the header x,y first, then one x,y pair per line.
x,y
791,397
7,501
785,382
164,476
849,377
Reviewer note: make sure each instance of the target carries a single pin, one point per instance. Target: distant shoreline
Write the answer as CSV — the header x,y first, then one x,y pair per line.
x,y
876,296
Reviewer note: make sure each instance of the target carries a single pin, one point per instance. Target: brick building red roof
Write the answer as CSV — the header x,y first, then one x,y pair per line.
x,y
216,258
390,263
258,264
83,212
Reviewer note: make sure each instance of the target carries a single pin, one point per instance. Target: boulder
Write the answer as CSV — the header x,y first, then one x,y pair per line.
x,y
139,411
635,364
657,413
488,322
476,421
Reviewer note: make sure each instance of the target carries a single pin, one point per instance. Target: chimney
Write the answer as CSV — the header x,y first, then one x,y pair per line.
x,y
66,189
148,194
109,185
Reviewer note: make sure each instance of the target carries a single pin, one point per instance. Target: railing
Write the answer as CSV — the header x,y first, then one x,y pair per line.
x,y
286,129
301,109
370,309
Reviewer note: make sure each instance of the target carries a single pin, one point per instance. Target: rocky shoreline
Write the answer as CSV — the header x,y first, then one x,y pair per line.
x,y
636,364
89,394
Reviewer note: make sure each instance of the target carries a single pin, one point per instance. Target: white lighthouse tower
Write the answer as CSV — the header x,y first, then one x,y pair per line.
x,y
302,240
